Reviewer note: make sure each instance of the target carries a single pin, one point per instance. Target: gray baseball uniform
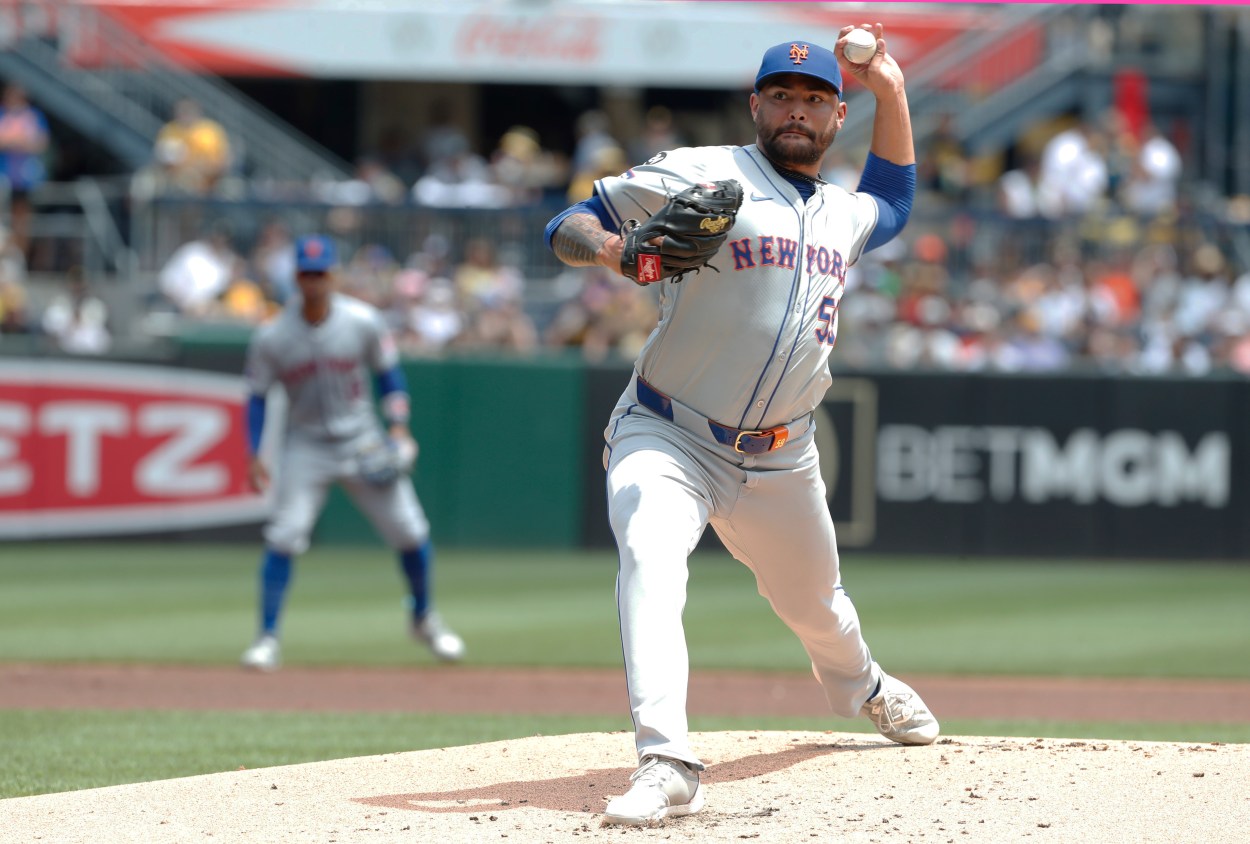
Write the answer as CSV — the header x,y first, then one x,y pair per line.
x,y
716,428
326,372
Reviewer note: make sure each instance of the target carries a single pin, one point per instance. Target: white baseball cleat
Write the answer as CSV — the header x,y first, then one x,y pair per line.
x,y
263,655
899,714
438,637
663,788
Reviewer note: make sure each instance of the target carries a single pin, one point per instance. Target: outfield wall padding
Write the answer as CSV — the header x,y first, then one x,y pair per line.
x,y
967,464
1020,465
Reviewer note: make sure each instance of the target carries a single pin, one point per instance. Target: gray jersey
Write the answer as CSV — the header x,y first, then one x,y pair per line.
x,y
748,346
325,369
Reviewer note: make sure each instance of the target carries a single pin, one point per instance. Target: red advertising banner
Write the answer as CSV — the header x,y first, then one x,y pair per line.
x,y
590,43
91,449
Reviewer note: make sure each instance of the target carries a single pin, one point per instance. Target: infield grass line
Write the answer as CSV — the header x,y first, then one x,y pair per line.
x,y
195,604
68,750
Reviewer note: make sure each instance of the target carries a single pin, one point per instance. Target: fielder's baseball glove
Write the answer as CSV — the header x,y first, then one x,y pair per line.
x,y
383,462
687,231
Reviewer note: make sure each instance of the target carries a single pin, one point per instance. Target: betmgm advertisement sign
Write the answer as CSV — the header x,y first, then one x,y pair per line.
x,y
1014,466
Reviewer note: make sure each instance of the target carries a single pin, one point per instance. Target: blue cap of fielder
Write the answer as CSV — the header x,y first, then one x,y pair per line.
x,y
315,254
801,57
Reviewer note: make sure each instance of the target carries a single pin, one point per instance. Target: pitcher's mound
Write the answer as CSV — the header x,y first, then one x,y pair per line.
x,y
770,786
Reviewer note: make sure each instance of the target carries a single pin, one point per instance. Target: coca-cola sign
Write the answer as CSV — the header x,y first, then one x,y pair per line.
x,y
91,448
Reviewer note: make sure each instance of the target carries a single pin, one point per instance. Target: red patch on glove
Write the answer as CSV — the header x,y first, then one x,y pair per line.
x,y
649,268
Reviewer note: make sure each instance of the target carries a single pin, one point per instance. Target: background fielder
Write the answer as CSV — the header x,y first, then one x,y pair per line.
x,y
323,349
716,425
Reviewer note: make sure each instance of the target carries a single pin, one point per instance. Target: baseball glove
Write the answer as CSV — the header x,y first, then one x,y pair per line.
x,y
383,462
683,235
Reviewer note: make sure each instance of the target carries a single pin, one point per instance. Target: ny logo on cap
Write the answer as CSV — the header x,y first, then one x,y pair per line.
x,y
312,248
798,54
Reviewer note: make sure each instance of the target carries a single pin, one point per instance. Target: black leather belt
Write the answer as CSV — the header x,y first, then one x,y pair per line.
x,y
741,441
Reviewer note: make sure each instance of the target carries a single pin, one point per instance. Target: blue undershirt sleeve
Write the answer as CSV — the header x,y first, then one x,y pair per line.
x,y
894,188
594,205
392,389
255,423
391,381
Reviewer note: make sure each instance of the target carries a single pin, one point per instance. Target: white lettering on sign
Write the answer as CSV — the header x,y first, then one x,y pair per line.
x,y
523,37
1048,470
91,448
15,476
1128,467
83,423
167,470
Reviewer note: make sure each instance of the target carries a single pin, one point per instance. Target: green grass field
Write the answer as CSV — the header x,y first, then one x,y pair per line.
x,y
148,603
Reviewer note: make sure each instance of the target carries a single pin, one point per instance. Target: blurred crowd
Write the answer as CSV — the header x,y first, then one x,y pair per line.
x,y
1087,254
1078,248
435,299
1166,306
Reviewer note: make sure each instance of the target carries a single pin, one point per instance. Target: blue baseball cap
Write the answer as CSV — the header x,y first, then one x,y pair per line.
x,y
801,57
315,254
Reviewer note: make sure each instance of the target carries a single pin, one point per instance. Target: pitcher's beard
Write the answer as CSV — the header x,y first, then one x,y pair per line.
x,y
791,152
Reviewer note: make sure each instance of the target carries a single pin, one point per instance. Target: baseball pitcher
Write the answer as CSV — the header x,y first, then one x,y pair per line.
x,y
750,248
323,350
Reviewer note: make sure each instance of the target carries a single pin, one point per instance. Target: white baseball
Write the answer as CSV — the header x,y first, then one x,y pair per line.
x,y
860,46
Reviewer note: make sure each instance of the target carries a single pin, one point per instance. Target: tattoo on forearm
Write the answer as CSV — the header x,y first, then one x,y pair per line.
x,y
578,239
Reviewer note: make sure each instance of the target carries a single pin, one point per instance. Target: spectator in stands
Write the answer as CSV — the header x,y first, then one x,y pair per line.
x,y
192,152
593,137
1114,299
12,259
443,139
272,261
433,258
1031,349
521,166
1119,148
839,170
945,168
1019,191
76,319
459,179
243,301
23,139
608,317
14,305
1156,272
1234,350
923,299
1060,306
14,314
429,317
199,271
1241,293
371,182
503,326
607,161
370,275
1204,294
395,152
1152,183
482,280
658,135
1074,175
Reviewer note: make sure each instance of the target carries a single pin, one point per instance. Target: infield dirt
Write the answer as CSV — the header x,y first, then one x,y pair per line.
x,y
772,786
777,786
